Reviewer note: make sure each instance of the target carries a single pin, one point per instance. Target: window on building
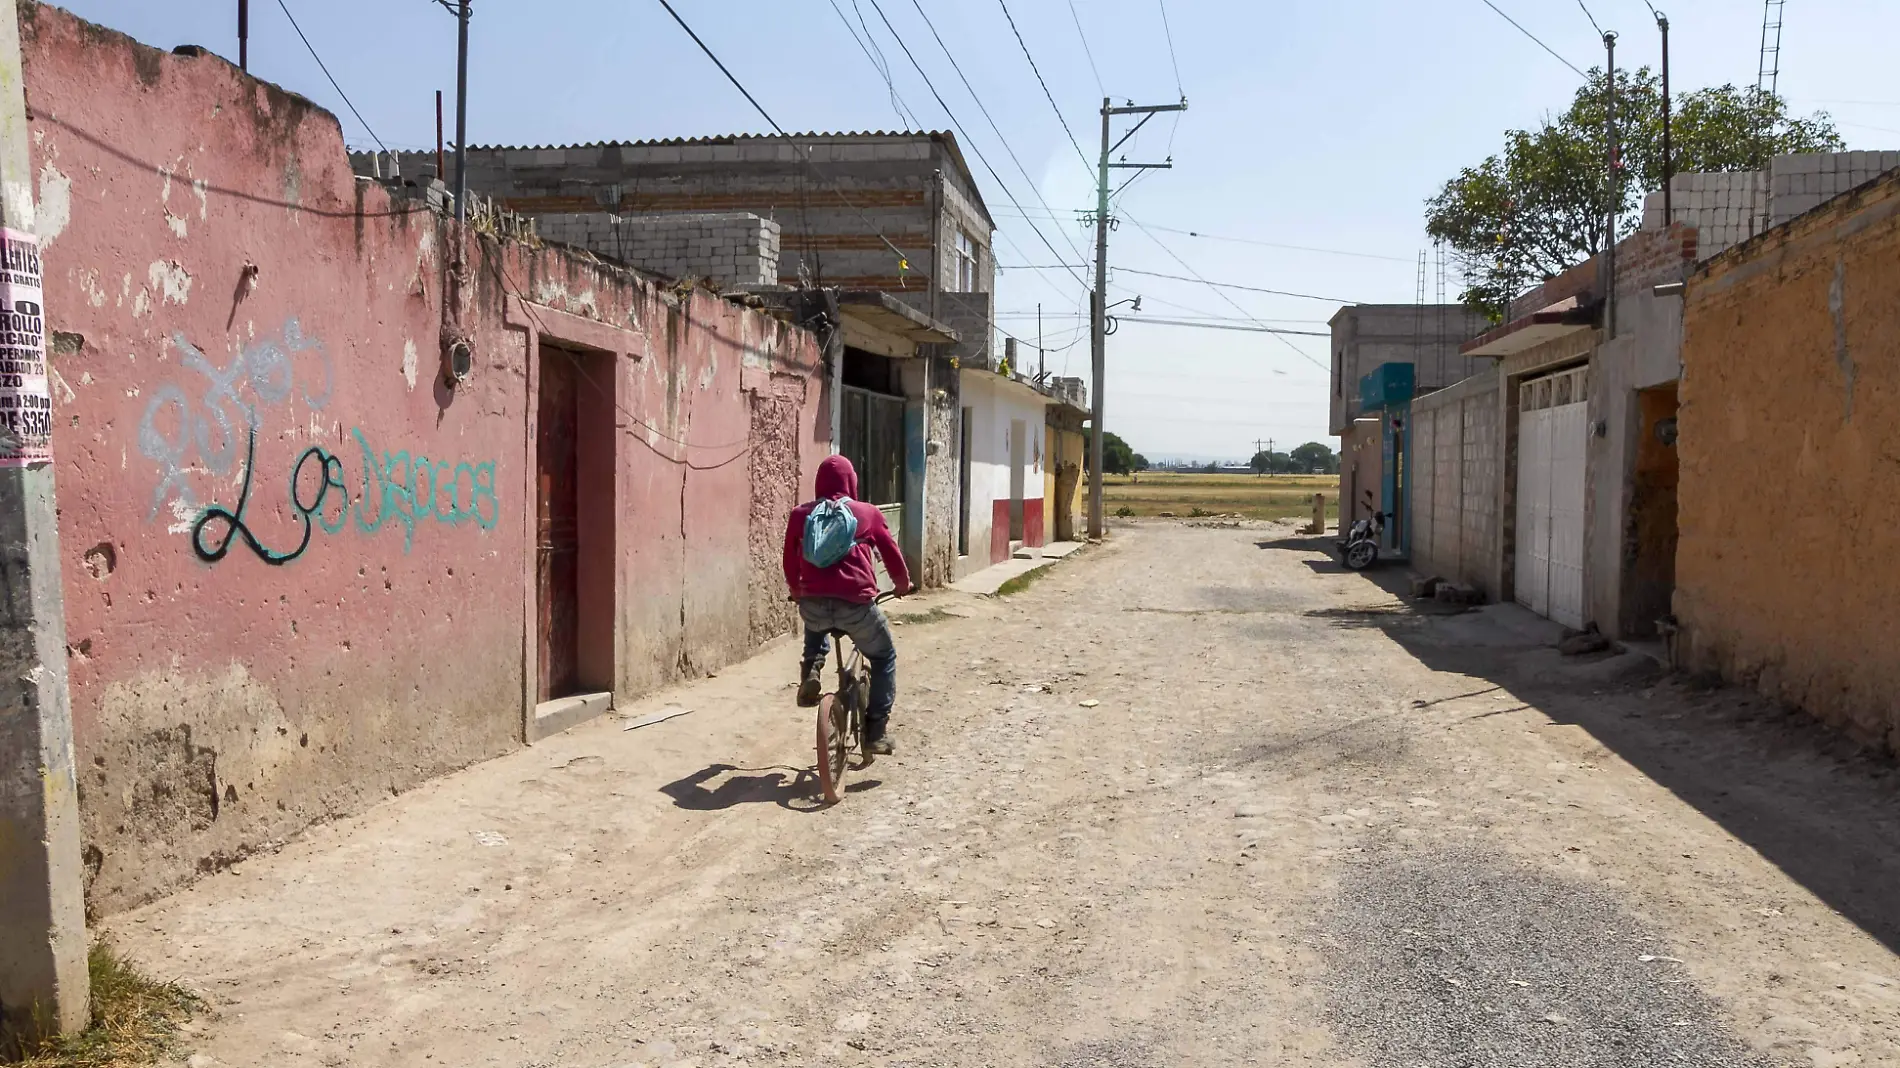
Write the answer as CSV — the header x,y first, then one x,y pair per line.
x,y
967,252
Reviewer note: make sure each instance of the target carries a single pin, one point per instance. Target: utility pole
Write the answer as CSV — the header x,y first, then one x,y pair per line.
x,y
244,35
461,112
1669,159
1616,195
42,883
1098,301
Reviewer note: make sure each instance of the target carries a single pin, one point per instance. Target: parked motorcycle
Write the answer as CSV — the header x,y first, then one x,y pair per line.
x,y
1361,549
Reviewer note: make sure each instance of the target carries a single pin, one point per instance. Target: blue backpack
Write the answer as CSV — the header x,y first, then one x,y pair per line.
x,y
831,530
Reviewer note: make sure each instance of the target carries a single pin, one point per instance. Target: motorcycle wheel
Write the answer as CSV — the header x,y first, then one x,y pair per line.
x,y
1361,555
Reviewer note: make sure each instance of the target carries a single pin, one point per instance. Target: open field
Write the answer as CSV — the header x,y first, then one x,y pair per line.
x,y
1252,496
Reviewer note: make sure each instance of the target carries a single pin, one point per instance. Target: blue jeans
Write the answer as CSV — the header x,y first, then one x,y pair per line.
x,y
867,628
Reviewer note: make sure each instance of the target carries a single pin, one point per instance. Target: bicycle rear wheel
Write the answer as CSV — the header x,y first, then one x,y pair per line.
x,y
834,746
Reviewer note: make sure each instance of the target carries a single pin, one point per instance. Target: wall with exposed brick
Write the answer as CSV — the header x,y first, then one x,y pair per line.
x,y
732,249
1789,429
839,198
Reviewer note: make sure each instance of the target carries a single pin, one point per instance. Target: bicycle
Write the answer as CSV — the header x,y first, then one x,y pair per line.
x,y
841,716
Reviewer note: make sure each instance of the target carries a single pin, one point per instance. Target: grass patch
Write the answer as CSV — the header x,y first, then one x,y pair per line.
x,y
935,615
135,1022
1021,582
1200,495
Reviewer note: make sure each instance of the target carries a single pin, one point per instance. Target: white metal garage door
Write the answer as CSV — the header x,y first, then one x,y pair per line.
x,y
1552,435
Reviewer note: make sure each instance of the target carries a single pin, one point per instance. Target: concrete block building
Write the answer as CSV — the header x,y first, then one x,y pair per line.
x,y
1366,336
892,213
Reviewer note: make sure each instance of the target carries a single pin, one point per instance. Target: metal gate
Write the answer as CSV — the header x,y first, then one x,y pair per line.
x,y
1552,439
873,440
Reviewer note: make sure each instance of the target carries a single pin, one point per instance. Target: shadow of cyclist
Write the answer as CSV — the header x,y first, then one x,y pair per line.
x,y
798,793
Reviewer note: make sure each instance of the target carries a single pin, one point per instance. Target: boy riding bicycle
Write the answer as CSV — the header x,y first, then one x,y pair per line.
x,y
831,574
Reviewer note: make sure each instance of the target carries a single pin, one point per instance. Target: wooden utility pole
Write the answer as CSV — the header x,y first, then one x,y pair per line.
x,y
43,978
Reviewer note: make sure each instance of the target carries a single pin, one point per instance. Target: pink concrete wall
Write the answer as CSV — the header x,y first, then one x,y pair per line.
x,y
246,328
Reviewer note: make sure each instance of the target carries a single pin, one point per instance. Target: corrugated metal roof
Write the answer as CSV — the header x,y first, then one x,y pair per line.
x,y
727,139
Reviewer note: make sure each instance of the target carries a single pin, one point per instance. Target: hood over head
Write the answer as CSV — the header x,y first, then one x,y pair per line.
x,y
837,478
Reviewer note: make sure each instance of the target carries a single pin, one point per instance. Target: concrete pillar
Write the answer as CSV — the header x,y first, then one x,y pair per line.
x,y
42,886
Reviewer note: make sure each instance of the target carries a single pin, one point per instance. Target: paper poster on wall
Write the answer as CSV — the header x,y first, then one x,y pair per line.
x,y
26,403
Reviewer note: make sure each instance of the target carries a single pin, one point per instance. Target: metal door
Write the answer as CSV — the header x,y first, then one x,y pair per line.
x,y
1553,438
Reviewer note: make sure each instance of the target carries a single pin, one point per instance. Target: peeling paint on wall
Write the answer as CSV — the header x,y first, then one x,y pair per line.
x,y
56,204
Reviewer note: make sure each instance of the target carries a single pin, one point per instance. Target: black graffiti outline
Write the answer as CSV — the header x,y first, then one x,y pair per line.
x,y
310,514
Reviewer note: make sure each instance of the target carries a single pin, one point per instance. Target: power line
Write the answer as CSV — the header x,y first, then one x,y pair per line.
x,y
954,121
997,130
1229,326
1533,37
1222,293
1592,18
1278,245
1228,285
1079,154
883,69
1169,31
743,91
1086,50
902,257
326,73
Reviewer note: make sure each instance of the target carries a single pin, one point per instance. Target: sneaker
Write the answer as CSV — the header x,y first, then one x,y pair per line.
x,y
811,688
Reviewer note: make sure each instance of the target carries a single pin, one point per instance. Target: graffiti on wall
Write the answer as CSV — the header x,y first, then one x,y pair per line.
x,y
183,435
206,437
405,490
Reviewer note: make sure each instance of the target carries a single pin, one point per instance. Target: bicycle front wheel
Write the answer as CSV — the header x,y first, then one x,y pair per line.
x,y
834,746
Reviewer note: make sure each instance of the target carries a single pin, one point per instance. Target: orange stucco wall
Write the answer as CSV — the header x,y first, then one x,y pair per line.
x,y
1790,465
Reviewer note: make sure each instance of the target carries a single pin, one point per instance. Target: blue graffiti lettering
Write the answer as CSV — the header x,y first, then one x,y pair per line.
x,y
262,374
410,489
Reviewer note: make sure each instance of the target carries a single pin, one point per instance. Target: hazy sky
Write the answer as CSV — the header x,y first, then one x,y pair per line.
x,y
1322,124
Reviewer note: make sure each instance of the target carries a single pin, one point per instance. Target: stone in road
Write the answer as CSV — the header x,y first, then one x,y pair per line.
x,y
1303,826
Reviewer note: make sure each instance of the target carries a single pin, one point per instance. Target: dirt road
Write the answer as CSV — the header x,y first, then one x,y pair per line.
x,y
1305,825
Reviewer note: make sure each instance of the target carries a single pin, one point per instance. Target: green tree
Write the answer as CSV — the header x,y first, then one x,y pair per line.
x,y
1139,462
1541,205
1117,457
1314,458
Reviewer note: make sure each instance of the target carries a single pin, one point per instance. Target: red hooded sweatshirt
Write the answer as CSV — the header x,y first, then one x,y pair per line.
x,y
853,578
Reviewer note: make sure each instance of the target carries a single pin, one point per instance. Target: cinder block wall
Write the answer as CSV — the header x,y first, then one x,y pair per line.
x,y
1790,413
1455,482
735,248
1729,208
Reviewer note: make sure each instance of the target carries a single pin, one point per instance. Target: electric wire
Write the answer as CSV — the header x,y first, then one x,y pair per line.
x,y
1086,50
805,149
1533,37
1222,293
326,73
971,89
1592,18
954,121
883,70
1081,155
1174,62
1227,285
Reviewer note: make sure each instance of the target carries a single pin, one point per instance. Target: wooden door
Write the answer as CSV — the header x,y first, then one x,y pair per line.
x,y
557,541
